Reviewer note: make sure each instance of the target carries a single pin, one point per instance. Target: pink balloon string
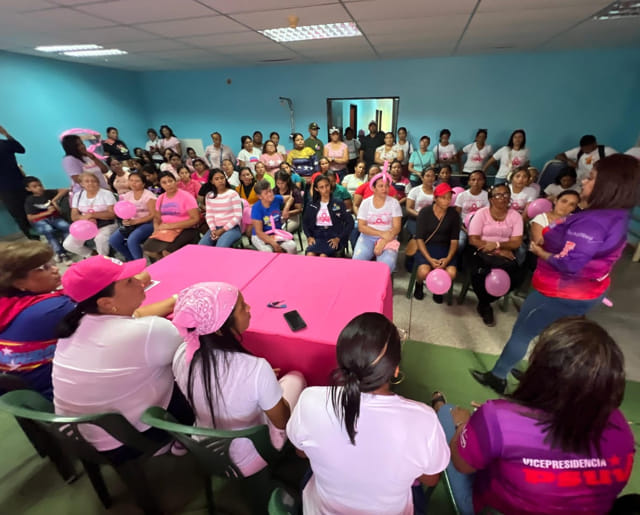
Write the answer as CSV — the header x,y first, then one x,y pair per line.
x,y
384,174
278,233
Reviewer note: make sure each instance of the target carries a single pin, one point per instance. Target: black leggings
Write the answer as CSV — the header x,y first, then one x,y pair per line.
x,y
480,269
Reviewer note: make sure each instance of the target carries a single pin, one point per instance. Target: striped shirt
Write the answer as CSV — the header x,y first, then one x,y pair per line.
x,y
224,211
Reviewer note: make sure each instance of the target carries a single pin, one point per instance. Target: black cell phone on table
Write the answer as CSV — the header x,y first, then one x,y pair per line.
x,y
294,320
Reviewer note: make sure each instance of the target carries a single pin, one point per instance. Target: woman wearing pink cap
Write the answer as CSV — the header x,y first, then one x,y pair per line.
x,y
113,354
227,387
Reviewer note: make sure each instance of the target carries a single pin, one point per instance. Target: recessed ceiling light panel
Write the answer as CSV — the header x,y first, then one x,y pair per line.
x,y
617,10
308,32
96,53
66,48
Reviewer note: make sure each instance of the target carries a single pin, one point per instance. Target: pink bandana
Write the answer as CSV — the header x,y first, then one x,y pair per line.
x,y
203,307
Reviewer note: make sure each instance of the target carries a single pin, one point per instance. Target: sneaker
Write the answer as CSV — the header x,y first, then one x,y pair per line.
x,y
497,384
438,299
418,292
486,312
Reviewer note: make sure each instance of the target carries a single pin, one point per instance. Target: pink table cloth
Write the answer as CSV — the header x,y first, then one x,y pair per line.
x,y
198,263
327,293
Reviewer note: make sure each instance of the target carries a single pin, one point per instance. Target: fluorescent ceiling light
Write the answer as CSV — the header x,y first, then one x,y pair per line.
x,y
617,10
331,30
66,48
96,53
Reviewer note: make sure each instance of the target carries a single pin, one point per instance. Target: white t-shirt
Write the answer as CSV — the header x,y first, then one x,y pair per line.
x,y
553,190
520,200
421,198
389,155
541,219
323,218
249,388
97,204
407,148
250,158
380,218
476,158
157,156
586,161
510,159
114,363
633,151
74,166
353,145
471,203
397,441
351,182
234,179
445,151
281,150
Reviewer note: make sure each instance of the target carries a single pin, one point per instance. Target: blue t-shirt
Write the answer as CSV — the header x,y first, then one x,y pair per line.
x,y
259,212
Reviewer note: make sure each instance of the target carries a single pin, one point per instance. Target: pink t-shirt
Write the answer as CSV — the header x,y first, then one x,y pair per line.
x,y
518,472
483,225
141,204
202,179
175,209
192,187
271,162
336,154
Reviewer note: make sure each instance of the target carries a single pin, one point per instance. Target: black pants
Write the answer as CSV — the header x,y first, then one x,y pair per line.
x,y
14,202
480,269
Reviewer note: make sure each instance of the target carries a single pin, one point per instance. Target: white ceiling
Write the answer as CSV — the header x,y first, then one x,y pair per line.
x,y
185,34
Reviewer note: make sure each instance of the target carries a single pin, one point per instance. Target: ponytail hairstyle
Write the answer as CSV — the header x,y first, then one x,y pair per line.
x,y
69,324
206,363
368,353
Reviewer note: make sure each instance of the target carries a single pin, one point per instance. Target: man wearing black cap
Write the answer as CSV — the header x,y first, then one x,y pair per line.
x,y
12,192
313,142
370,142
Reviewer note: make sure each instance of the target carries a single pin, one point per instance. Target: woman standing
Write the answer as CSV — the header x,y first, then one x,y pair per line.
x,y
129,238
353,147
513,155
327,223
229,388
302,159
355,179
249,155
445,151
576,259
30,311
271,158
438,229
223,213
176,217
153,146
495,233
95,205
337,153
421,159
387,441
379,223
78,160
407,149
477,152
389,151
169,141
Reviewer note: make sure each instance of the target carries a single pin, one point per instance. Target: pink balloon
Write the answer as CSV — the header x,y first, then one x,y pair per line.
x,y
246,215
541,205
124,209
83,230
457,190
438,281
453,198
497,282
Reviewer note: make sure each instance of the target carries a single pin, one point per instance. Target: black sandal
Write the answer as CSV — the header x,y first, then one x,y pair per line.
x,y
437,397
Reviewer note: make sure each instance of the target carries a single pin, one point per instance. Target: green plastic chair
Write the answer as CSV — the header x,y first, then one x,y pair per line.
x,y
211,452
281,503
30,405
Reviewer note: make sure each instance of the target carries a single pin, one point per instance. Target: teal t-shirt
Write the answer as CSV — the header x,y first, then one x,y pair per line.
x,y
422,161
341,193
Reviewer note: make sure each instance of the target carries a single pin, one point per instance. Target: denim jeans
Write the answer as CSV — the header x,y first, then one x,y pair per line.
x,y
363,251
537,312
226,240
48,227
461,484
132,248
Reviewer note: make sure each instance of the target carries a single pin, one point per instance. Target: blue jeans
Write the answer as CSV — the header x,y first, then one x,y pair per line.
x,y
363,251
48,228
226,240
132,248
537,312
461,484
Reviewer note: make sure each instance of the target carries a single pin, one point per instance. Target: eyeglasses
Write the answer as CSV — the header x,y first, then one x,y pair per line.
x,y
500,195
46,267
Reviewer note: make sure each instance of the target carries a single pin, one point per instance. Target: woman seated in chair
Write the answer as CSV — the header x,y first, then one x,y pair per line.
x,y
246,189
437,238
379,223
521,194
495,233
30,311
223,212
564,205
114,355
176,217
229,388
327,223
559,444
286,188
469,201
267,216
367,446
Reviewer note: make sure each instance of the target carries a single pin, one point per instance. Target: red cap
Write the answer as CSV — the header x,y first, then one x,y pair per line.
x,y
87,277
441,190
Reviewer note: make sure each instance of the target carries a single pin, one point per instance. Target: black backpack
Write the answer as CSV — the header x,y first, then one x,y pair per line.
x,y
600,153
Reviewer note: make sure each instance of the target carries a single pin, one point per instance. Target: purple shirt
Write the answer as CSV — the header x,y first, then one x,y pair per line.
x,y
519,473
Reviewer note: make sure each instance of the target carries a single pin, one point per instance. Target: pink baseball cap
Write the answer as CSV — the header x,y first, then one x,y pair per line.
x,y
87,277
441,190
